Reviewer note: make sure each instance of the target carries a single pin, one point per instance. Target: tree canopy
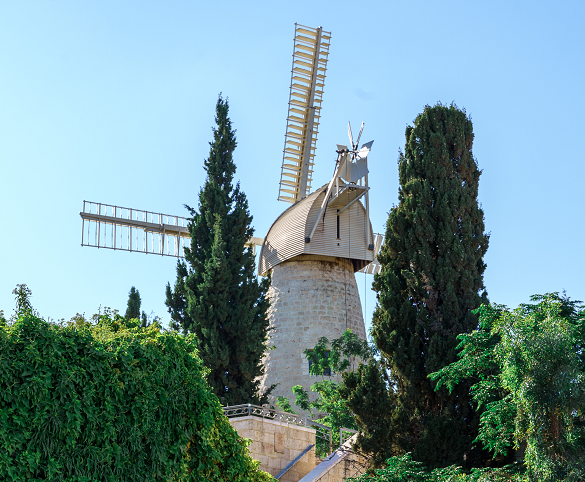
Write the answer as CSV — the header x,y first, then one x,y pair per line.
x,y
528,369
527,375
327,404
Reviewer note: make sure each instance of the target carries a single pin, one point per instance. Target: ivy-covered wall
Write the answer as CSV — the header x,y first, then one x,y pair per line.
x,y
111,402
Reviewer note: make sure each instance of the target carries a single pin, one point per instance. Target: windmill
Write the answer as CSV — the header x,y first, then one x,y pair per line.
x,y
313,248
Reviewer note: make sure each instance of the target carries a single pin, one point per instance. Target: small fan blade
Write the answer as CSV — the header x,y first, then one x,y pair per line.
x,y
358,170
352,171
363,152
357,143
350,136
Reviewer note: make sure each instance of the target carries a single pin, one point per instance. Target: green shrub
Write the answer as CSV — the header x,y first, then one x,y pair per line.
x,y
404,469
527,368
111,402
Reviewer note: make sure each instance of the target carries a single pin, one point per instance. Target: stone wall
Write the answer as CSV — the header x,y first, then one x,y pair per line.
x,y
310,298
275,444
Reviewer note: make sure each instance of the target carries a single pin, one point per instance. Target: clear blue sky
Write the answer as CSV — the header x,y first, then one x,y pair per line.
x,y
113,102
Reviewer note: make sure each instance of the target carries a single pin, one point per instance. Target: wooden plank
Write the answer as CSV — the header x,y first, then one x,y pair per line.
x,y
352,241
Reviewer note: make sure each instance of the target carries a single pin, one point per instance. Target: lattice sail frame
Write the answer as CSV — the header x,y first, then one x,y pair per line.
x,y
128,229
310,54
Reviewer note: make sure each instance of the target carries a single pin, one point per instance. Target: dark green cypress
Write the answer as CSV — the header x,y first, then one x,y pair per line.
x,y
367,396
176,299
217,295
133,308
431,280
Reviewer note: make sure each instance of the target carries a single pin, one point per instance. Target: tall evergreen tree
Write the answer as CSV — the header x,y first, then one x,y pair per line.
x,y
217,295
431,280
133,308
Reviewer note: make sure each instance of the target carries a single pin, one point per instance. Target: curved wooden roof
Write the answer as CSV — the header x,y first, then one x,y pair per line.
x,y
285,239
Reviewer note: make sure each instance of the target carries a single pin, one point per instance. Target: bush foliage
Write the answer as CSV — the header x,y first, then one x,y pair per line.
x,y
528,369
404,469
110,402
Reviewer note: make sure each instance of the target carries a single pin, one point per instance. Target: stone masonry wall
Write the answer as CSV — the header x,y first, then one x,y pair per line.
x,y
351,466
310,299
275,444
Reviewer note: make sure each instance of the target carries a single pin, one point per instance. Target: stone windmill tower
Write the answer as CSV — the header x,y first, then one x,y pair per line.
x,y
314,247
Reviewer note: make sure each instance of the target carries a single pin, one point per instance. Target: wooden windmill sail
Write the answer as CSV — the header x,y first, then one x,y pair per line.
x,y
310,54
127,229
115,227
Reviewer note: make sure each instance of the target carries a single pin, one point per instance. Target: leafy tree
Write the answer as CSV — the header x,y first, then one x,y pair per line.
x,y
133,309
327,359
338,356
22,295
216,294
430,282
528,369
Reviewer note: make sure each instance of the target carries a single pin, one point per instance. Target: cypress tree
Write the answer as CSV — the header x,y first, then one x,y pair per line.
x,y
431,280
217,295
133,308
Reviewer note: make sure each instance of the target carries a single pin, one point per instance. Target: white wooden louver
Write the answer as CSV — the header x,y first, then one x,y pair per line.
x,y
311,50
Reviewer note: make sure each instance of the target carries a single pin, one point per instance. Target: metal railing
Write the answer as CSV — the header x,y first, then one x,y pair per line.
x,y
294,462
323,433
343,429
